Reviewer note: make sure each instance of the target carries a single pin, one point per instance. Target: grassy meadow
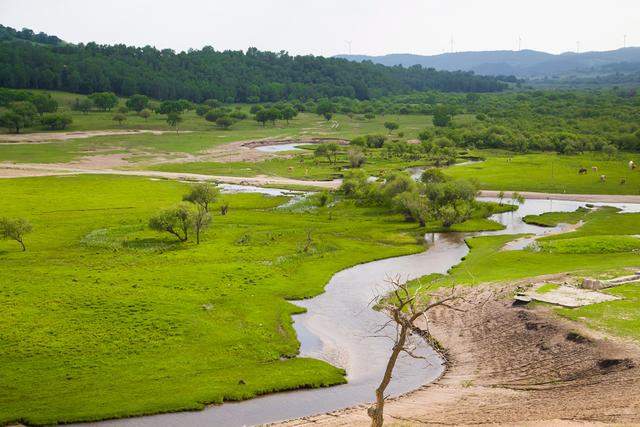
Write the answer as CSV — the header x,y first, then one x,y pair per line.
x,y
552,173
606,245
105,318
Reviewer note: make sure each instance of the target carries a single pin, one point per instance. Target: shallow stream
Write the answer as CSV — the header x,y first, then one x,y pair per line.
x,y
340,327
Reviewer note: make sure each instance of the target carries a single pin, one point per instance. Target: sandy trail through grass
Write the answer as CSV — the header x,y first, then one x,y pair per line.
x,y
9,170
589,198
12,170
45,137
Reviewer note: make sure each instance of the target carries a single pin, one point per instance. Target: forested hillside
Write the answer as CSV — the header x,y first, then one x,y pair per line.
x,y
231,76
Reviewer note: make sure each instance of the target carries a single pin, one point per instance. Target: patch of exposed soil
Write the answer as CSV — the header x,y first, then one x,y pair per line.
x,y
98,161
515,365
11,170
593,198
44,137
243,151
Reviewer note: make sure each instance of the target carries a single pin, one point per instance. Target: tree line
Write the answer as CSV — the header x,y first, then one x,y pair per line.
x,y
230,76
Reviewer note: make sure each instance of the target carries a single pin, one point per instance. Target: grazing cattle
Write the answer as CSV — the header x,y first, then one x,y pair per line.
x,y
594,168
603,178
623,181
632,165
582,171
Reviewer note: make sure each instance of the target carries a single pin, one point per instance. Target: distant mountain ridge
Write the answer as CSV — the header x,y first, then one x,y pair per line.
x,y
523,63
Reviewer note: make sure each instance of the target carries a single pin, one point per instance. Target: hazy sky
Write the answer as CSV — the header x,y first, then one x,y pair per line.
x,y
374,27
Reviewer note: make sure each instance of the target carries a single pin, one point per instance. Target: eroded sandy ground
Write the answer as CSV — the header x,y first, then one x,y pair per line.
x,y
9,170
44,137
515,366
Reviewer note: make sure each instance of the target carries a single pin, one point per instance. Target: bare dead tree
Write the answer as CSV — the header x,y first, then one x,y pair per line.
x,y
405,306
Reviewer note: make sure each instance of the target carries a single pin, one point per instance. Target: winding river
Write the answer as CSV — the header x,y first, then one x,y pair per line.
x,y
339,327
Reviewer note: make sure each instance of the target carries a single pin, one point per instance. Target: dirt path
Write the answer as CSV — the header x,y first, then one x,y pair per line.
x,y
45,137
593,198
106,163
515,365
10,170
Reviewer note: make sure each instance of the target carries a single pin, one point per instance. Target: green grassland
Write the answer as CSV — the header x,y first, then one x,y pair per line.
x,y
605,232
552,173
203,135
105,318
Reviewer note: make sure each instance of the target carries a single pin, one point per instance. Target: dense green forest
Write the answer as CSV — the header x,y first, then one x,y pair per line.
x,y
38,61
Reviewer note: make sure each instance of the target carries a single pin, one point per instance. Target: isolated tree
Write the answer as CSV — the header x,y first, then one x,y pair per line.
x,y
224,122
238,115
405,307
137,102
145,114
173,119
56,121
203,195
255,108
517,198
214,114
332,151
356,157
83,105
15,229
326,109
212,103
44,103
610,150
288,113
176,221
391,126
120,118
20,115
201,220
105,101
202,110
167,107
262,116
273,114
328,150
441,116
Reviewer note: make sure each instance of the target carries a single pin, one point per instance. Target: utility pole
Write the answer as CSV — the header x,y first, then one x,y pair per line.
x,y
348,42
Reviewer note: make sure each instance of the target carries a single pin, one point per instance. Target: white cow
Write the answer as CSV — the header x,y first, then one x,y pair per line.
x,y
632,165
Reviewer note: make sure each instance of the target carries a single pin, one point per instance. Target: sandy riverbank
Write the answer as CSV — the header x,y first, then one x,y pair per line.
x,y
515,365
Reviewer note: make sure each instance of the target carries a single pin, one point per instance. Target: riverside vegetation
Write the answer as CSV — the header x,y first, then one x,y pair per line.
x,y
126,303
108,318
